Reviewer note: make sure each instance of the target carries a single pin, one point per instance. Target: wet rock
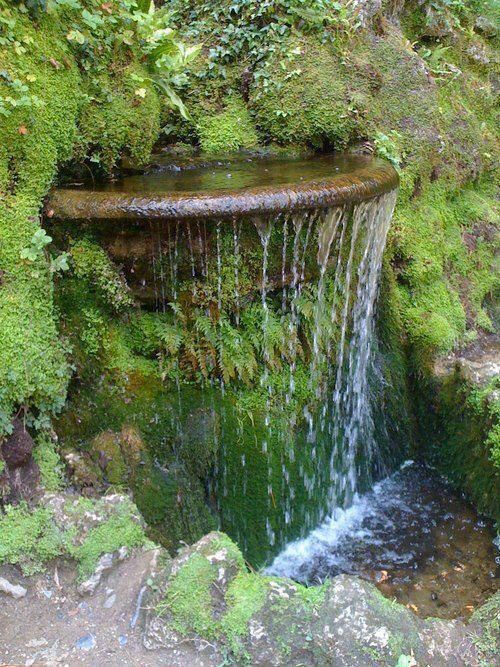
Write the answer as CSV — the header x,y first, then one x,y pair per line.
x,y
13,590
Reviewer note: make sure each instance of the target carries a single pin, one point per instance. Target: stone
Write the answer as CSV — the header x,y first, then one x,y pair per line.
x,y
86,643
15,591
109,601
367,10
89,585
18,446
351,624
21,476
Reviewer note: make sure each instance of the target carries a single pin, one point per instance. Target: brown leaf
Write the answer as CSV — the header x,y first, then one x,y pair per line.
x,y
107,7
22,129
55,63
50,213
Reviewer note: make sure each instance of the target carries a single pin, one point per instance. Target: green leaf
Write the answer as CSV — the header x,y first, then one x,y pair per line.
x,y
173,98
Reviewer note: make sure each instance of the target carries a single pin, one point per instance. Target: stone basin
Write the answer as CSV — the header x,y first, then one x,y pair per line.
x,y
229,188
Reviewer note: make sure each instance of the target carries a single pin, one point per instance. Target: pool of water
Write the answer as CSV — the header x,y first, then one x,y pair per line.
x,y
198,175
416,539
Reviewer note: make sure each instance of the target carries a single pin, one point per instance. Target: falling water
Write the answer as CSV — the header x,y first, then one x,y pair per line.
x,y
294,465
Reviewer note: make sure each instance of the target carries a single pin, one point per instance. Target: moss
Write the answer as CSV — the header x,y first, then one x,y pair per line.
x,y
117,531
227,131
92,264
189,597
459,428
245,596
49,463
32,537
307,100
37,134
29,538
116,120
442,251
486,639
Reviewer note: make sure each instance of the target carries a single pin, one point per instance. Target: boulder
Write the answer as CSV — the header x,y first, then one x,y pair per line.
x,y
19,476
208,600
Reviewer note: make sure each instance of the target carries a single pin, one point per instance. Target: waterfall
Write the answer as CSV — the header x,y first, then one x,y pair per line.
x,y
264,288
311,448
355,457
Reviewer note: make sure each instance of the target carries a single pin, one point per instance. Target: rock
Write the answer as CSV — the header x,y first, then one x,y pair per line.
x,y
15,591
21,476
109,601
485,26
18,447
366,10
89,585
479,363
86,643
281,623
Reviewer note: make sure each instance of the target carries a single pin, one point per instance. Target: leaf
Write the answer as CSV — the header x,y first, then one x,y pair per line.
x,y
22,129
75,36
173,98
144,6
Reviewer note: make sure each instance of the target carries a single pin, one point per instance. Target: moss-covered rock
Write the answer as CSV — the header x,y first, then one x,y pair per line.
x,y
71,527
208,598
229,130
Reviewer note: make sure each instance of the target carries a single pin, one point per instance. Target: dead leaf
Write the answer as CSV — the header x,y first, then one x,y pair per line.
x,y
22,129
107,7
55,63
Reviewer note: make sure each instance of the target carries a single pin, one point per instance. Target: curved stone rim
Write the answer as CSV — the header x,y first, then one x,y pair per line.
x,y
361,184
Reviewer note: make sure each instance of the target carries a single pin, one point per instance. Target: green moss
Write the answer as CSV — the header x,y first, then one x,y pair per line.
x,y
117,120
227,131
245,596
49,463
307,101
442,250
92,264
459,430
32,537
117,531
36,135
189,597
29,538
486,639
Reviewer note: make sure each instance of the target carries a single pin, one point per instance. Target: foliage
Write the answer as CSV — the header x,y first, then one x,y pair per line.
x,y
118,531
68,77
250,31
387,147
29,538
91,263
